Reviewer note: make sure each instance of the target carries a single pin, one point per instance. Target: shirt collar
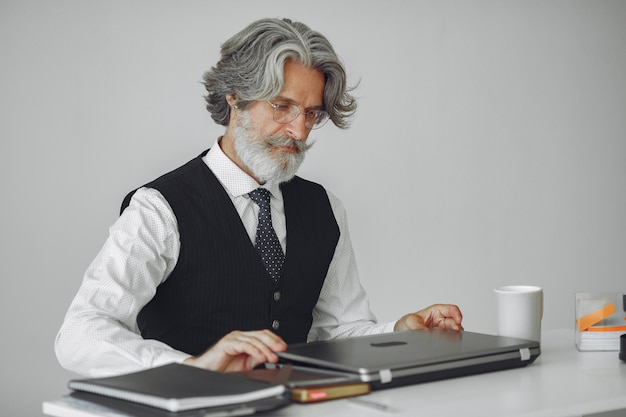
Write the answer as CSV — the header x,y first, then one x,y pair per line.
x,y
233,178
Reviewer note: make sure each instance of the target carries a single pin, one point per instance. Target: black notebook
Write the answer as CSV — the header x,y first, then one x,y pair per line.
x,y
177,387
95,404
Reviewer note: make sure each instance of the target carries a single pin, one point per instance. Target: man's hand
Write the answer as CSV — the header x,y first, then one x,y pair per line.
x,y
443,316
240,351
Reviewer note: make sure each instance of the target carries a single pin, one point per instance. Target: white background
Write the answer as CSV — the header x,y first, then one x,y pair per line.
x,y
489,148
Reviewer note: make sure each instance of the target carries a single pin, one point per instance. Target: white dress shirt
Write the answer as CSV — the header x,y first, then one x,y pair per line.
x,y
99,335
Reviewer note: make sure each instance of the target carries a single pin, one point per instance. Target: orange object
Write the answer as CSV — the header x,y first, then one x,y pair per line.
x,y
585,322
331,392
607,329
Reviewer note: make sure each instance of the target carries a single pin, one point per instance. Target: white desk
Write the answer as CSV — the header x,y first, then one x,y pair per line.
x,y
561,382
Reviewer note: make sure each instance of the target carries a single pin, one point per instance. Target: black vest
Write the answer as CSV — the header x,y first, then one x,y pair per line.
x,y
219,283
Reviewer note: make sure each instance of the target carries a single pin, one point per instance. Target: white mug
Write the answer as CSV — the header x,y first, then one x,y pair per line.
x,y
519,311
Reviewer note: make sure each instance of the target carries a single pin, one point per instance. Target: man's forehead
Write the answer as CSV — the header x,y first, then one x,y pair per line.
x,y
303,85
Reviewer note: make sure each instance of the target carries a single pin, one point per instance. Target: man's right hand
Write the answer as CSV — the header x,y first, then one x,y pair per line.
x,y
240,351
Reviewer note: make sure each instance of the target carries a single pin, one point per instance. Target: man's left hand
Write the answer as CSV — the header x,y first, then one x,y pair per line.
x,y
443,316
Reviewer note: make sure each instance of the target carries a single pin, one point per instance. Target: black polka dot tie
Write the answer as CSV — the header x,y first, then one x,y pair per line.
x,y
266,240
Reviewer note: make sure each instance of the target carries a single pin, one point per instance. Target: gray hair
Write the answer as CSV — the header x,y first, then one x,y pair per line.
x,y
252,63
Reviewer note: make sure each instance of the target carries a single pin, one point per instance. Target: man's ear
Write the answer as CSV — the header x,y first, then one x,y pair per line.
x,y
231,99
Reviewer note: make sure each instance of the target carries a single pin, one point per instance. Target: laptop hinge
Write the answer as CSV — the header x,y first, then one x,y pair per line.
x,y
525,353
385,376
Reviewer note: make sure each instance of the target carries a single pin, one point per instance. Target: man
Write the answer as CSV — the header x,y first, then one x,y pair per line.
x,y
185,276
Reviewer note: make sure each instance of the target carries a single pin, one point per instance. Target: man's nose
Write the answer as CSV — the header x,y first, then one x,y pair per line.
x,y
296,129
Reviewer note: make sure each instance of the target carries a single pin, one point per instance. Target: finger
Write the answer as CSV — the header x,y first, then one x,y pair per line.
x,y
437,311
448,323
240,351
454,312
271,339
258,344
266,342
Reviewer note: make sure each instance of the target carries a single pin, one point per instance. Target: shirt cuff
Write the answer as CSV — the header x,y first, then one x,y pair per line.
x,y
390,326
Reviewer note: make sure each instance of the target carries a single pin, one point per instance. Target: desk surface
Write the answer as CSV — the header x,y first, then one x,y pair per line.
x,y
561,382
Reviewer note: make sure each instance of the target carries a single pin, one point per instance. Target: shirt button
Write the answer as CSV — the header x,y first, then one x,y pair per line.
x,y
275,324
276,295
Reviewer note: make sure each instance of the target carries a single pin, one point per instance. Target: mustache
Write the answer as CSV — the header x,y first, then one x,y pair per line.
x,y
282,140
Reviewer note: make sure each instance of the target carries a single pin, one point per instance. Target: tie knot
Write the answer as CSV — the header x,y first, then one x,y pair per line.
x,y
261,196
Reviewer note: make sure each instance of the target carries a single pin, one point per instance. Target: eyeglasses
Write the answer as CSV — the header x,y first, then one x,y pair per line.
x,y
285,113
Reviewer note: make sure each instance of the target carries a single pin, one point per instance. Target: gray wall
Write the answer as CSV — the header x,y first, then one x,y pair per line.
x,y
492,132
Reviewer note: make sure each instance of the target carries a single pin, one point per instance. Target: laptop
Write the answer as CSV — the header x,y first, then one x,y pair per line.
x,y
394,359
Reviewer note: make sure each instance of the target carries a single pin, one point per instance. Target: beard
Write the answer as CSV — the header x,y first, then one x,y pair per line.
x,y
263,156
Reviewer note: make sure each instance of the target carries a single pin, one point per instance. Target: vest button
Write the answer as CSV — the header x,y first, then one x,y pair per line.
x,y
275,324
277,295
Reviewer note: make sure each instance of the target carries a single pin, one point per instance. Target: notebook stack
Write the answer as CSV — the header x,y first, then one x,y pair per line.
x,y
178,390
600,321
